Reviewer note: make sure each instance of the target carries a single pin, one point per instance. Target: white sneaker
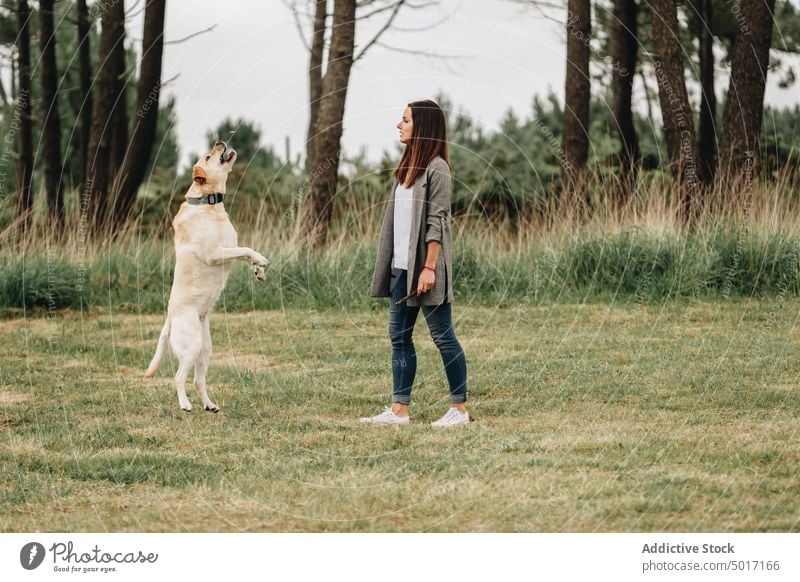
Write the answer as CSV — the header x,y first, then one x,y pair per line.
x,y
452,417
386,417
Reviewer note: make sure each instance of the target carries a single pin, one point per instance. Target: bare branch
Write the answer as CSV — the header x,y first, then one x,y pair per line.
x,y
427,55
170,80
397,6
422,5
542,7
194,34
541,4
409,6
391,6
292,5
377,11
184,39
442,20
131,12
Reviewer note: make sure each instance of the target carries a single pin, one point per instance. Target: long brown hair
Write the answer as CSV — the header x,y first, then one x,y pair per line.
x,y
428,140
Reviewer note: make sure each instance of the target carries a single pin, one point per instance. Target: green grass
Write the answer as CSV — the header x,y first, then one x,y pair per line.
x,y
636,264
633,416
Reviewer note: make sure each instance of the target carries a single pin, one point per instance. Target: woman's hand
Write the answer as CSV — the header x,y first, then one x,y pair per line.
x,y
426,280
427,276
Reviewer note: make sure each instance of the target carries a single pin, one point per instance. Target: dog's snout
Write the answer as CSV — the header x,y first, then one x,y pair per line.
x,y
219,143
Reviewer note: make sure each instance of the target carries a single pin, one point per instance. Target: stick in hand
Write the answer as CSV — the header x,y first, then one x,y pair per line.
x,y
406,298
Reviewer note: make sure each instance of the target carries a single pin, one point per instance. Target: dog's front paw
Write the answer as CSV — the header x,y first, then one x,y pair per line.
x,y
260,260
260,274
211,407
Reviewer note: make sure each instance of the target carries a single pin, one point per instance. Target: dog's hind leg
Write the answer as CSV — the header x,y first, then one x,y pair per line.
x,y
201,367
186,343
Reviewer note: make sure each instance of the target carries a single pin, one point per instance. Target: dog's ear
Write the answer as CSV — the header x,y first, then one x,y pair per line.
x,y
199,175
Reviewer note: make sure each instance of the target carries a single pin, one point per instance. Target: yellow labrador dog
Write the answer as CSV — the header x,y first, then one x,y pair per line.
x,y
205,248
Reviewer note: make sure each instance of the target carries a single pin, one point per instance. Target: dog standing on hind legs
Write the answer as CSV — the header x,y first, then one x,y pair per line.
x,y
205,249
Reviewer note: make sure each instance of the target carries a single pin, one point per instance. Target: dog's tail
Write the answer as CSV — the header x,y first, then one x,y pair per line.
x,y
162,345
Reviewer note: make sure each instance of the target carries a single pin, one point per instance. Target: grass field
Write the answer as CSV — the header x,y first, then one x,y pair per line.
x,y
679,416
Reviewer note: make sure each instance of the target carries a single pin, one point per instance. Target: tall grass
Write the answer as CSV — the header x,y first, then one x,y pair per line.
x,y
746,242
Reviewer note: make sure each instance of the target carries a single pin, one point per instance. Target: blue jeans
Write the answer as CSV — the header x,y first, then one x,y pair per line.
x,y
404,358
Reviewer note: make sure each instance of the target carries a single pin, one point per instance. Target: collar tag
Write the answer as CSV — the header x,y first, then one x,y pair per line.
x,y
210,199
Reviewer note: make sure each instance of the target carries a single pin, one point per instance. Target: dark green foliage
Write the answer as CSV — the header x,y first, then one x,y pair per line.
x,y
165,150
512,170
48,283
786,34
780,139
245,138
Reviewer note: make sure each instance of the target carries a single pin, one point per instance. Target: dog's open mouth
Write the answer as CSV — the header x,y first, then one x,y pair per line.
x,y
227,156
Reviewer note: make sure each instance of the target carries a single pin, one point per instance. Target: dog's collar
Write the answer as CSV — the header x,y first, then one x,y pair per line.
x,y
212,199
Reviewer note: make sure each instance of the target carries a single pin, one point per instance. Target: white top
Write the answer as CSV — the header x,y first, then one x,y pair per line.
x,y
403,203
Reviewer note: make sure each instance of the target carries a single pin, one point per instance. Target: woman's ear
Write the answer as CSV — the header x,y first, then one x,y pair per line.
x,y
199,175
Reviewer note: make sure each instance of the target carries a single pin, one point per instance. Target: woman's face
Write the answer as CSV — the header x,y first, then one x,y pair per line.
x,y
406,126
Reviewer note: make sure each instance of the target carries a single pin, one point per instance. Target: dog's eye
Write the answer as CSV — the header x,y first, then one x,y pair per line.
x,y
208,158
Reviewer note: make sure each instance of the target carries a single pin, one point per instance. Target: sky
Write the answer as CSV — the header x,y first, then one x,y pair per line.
x,y
487,56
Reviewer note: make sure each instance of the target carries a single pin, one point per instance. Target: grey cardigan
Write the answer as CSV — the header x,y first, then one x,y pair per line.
x,y
430,221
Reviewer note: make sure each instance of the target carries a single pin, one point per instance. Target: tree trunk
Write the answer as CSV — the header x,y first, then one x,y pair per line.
x,y
119,115
85,68
675,110
624,53
317,210
744,105
96,189
51,122
22,114
145,123
315,77
576,102
708,103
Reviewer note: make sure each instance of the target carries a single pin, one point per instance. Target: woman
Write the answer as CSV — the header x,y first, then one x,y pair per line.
x,y
414,265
